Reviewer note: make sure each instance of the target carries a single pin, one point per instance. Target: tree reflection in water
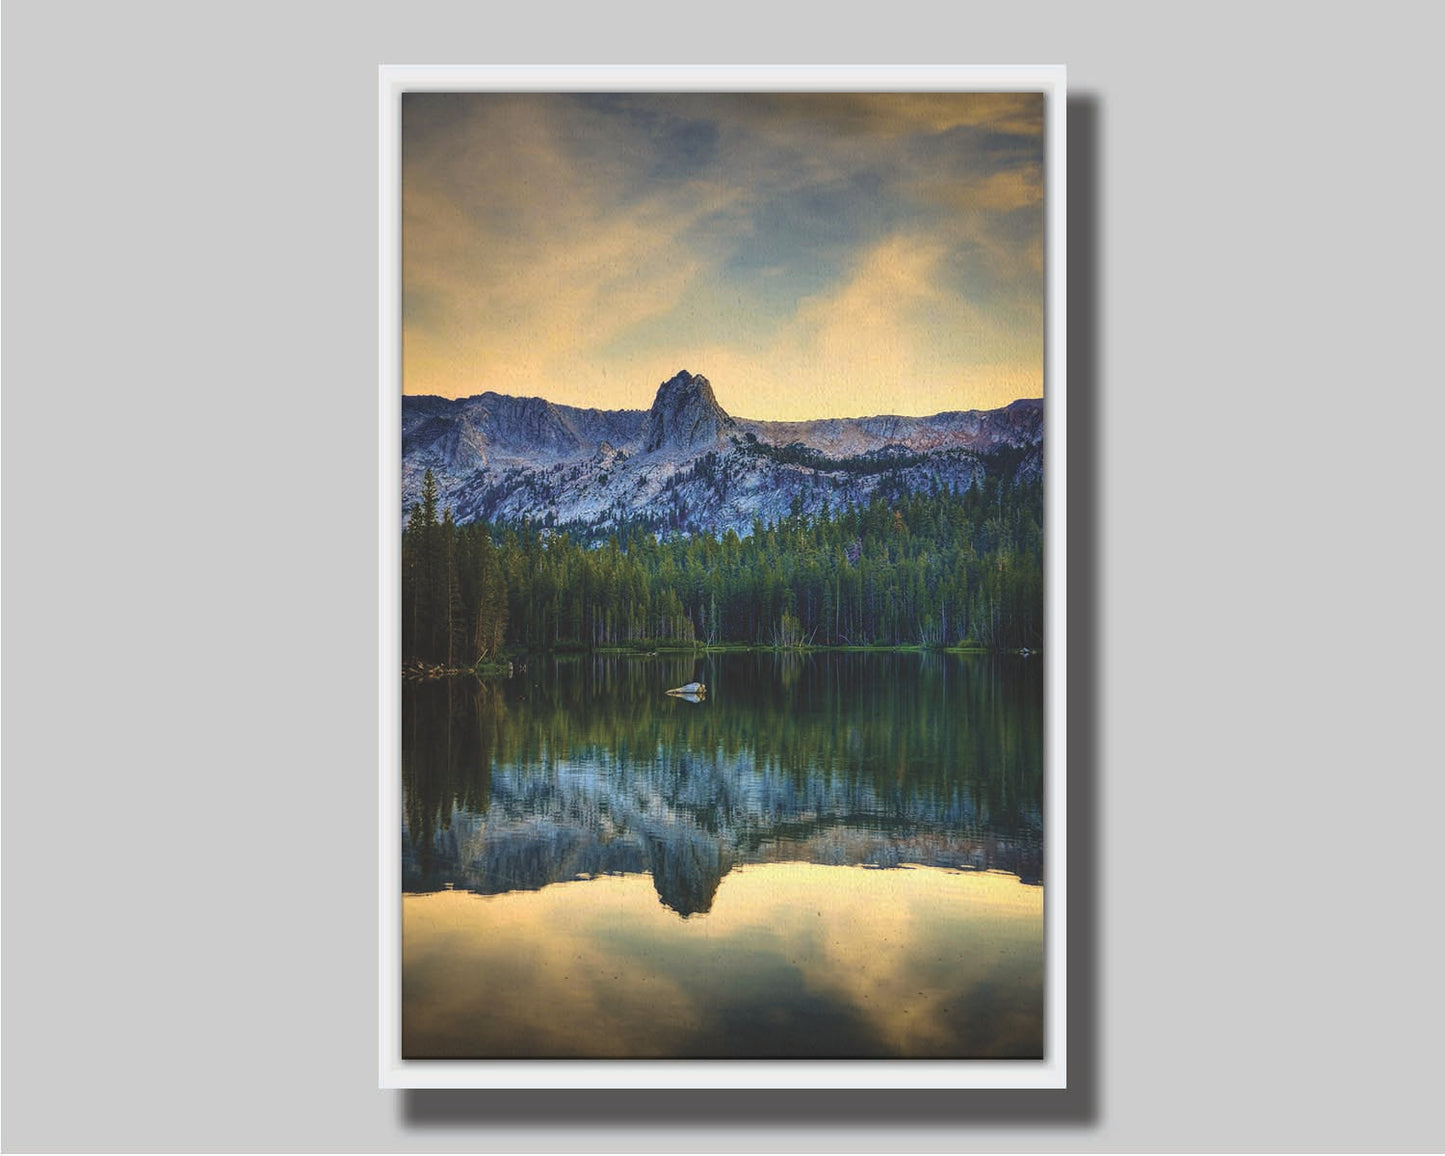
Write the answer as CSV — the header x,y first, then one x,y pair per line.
x,y
580,767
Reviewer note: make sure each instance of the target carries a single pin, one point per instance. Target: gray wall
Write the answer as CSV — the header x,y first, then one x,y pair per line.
x,y
190,436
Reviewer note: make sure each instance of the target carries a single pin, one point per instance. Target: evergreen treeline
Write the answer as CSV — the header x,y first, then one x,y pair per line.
x,y
937,569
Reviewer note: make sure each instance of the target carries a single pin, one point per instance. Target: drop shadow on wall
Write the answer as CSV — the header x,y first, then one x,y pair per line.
x,y
1076,1105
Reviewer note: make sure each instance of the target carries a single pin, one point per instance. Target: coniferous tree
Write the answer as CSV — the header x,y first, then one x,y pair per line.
x,y
904,568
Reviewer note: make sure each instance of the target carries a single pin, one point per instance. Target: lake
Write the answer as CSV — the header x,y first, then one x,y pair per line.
x,y
830,855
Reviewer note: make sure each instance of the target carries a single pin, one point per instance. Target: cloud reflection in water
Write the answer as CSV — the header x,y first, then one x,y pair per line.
x,y
793,960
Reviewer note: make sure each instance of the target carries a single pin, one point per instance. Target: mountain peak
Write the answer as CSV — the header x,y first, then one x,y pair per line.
x,y
685,414
684,384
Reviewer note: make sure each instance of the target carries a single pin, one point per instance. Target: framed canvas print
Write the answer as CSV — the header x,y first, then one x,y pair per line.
x,y
722,560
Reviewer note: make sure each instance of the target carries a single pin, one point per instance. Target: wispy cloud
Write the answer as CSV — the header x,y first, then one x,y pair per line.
x,y
583,248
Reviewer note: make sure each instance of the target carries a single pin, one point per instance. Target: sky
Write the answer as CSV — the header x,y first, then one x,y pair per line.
x,y
813,255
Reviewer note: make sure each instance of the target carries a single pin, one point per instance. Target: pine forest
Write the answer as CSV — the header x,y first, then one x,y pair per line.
x,y
942,569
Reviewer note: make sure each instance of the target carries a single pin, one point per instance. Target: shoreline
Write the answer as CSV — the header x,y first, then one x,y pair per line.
x,y
414,670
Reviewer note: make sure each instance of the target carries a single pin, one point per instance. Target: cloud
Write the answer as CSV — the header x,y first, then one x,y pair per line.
x,y
1004,191
583,248
874,317
519,260
907,114
899,334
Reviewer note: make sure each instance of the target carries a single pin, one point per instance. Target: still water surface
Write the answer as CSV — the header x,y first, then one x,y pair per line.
x,y
832,855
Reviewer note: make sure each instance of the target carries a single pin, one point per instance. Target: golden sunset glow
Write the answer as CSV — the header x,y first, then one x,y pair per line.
x,y
912,961
813,255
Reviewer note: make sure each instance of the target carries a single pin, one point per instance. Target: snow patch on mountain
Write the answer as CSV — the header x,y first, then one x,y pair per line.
x,y
687,465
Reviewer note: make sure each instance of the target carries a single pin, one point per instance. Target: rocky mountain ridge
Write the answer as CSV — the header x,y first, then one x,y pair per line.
x,y
686,464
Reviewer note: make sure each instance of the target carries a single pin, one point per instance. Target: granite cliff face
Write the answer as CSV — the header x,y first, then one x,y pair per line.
x,y
685,416
685,464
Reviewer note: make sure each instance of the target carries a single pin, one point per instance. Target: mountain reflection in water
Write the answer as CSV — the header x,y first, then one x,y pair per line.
x,y
582,767
595,868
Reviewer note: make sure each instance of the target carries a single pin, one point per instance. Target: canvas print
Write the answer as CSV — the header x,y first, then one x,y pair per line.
x,y
722,590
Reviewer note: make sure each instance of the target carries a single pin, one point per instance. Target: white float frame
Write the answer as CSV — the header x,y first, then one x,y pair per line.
x,y
1051,1071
